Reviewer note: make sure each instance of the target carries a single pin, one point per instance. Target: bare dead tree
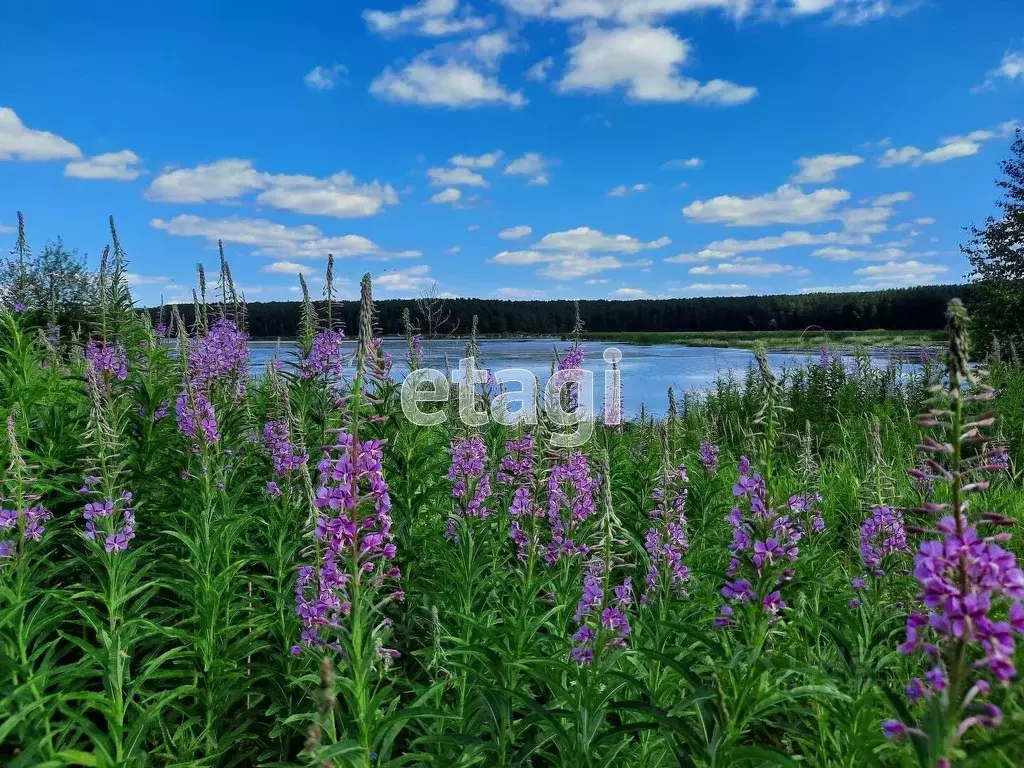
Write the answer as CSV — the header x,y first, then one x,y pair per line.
x,y
435,316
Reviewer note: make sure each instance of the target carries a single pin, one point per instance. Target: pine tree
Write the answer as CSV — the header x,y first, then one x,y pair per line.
x,y
996,254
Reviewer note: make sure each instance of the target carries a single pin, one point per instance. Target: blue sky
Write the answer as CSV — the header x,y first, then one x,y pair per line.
x,y
515,148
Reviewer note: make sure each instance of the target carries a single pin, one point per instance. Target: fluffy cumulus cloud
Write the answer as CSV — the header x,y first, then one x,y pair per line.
x,y
579,252
19,142
754,266
454,75
519,293
646,61
273,239
321,78
339,195
895,274
633,11
683,162
514,233
117,166
433,18
455,177
712,289
821,168
1011,67
786,205
451,196
622,190
629,293
533,165
730,247
583,239
843,253
538,72
950,148
409,281
289,268
486,160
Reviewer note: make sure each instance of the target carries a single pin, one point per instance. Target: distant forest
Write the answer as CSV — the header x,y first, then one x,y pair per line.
x,y
905,309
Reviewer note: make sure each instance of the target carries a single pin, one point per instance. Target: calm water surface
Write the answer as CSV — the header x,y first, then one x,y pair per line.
x,y
647,370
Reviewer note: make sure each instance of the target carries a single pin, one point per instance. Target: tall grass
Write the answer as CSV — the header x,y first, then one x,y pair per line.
x,y
204,568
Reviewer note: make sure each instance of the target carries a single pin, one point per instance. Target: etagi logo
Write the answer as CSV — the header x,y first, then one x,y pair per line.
x,y
568,398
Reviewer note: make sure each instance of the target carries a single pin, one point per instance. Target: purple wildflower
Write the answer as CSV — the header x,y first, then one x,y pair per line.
x,y
355,545
471,483
104,364
666,541
709,458
285,455
325,356
882,535
601,622
571,489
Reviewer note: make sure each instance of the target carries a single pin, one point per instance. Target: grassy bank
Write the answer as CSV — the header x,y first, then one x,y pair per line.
x,y
782,340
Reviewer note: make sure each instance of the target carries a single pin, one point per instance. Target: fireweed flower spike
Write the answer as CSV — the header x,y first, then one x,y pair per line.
x,y
516,471
709,458
968,581
763,549
666,542
22,518
471,483
571,488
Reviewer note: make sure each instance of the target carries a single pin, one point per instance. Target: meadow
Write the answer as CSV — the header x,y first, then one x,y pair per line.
x,y
202,568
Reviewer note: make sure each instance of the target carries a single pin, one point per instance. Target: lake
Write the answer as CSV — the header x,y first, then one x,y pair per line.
x,y
647,370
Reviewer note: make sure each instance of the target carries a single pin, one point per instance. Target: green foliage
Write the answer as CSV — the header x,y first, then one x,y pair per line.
x,y
177,651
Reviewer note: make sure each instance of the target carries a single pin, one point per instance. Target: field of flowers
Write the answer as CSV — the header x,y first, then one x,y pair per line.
x,y
199,567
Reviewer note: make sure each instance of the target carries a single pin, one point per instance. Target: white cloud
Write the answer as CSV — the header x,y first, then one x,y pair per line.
x,y
433,18
622,190
410,280
924,221
321,78
454,249
451,75
218,181
728,248
532,164
514,233
578,253
486,160
900,273
270,238
820,168
473,228
450,195
646,61
339,195
287,268
706,288
629,293
786,205
597,281
842,253
539,71
750,265
519,293
895,197
118,166
949,148
688,162
458,176
4,229
135,279
19,142
1011,67
583,239
626,11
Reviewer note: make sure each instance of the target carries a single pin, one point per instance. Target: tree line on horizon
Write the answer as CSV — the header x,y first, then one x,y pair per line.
x,y
904,309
